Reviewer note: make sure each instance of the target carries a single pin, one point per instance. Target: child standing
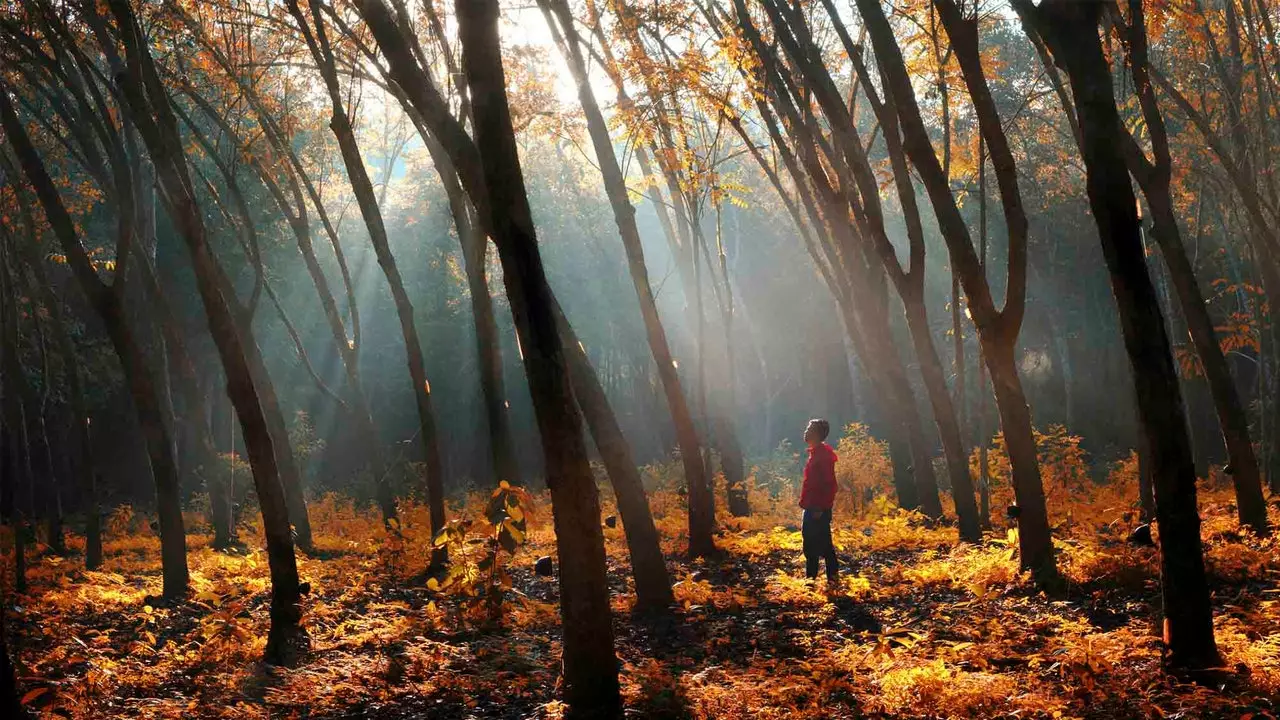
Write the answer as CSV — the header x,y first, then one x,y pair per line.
x,y
817,496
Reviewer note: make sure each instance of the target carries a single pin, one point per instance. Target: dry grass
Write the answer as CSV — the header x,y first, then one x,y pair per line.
x,y
918,627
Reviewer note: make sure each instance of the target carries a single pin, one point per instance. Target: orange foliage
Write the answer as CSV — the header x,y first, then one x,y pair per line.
x,y
917,627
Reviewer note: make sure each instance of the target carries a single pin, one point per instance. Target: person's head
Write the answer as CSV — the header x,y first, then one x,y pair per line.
x,y
816,431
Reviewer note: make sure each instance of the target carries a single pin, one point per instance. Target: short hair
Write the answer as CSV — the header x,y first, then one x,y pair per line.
x,y
822,426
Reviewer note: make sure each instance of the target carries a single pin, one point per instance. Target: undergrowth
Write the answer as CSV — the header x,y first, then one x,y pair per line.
x,y
918,626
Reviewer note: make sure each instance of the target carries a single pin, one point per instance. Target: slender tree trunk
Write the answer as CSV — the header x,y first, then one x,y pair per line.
x,y
53,493
945,414
984,433
366,198
1071,32
1251,506
1034,542
700,541
590,664
148,104
997,330
653,583
1154,179
503,460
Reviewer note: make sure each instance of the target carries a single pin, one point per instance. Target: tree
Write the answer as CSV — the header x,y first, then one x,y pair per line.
x,y
107,301
997,329
1154,179
148,103
563,29
1070,30
489,169
318,43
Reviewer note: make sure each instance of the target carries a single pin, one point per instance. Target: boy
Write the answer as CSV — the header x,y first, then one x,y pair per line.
x,y
817,496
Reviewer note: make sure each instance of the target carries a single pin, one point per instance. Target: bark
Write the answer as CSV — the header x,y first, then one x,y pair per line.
x,y
997,329
148,104
490,169
1154,178
1070,30
1146,493
984,434
107,303
700,542
653,582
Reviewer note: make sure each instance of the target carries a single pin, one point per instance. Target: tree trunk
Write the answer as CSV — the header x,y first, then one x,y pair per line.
x,y
1251,506
945,414
1146,494
732,464
1071,31
290,472
133,361
590,664
700,526
148,104
997,330
366,198
1154,178
653,583
1034,542
503,460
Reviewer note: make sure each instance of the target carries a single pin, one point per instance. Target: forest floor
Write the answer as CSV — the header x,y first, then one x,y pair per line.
x,y
918,627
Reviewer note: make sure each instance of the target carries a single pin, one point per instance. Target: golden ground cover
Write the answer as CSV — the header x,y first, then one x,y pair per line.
x,y
918,628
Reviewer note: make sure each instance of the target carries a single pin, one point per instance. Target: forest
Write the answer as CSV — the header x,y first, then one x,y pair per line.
x,y
382,359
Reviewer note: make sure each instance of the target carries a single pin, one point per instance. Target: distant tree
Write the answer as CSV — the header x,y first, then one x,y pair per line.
x,y
317,39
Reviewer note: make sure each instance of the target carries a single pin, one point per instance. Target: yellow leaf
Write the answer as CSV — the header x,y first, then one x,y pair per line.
x,y
515,531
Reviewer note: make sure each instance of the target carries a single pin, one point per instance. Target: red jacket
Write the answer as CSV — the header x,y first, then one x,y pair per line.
x,y
819,489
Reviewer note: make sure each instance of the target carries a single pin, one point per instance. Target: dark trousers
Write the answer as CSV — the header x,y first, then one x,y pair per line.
x,y
816,532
